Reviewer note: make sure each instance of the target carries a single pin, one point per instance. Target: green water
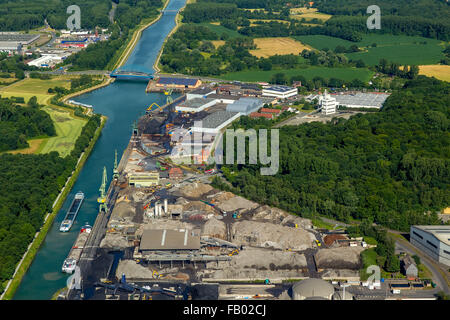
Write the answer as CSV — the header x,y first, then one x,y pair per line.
x,y
122,103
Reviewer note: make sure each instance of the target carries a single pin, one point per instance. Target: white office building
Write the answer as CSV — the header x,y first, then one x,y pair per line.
x,y
327,103
433,240
280,92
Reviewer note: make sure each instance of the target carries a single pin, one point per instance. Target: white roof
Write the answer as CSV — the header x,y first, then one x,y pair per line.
x,y
442,233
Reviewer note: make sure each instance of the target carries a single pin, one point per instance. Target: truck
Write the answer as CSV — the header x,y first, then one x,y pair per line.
x,y
396,291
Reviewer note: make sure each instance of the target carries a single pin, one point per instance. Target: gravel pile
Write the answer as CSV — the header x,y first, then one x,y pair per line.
x,y
215,228
264,259
195,190
339,258
236,203
262,234
113,241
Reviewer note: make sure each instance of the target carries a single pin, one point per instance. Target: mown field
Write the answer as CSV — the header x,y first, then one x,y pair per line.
x,y
68,127
220,30
400,49
309,14
441,72
267,47
347,74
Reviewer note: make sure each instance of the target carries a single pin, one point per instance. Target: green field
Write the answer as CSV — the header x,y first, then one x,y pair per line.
x,y
68,127
346,74
220,30
400,49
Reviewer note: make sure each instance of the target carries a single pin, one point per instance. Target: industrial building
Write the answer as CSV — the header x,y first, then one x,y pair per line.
x,y
177,240
214,122
200,93
178,83
144,180
245,106
316,289
224,98
14,41
280,92
433,240
327,103
195,105
361,100
46,61
270,111
261,115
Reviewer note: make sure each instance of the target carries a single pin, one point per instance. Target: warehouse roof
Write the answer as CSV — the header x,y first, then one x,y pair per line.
x,y
280,88
215,119
178,81
312,287
375,100
203,91
18,37
442,233
162,239
196,103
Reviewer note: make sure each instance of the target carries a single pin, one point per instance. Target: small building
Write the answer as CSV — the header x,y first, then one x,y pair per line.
x,y
261,115
280,92
169,240
144,180
409,267
47,60
178,83
433,240
296,84
275,112
175,173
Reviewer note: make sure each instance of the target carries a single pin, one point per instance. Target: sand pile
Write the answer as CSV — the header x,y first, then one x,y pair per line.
x,y
132,270
235,203
339,258
215,228
114,241
264,259
263,234
195,190
198,206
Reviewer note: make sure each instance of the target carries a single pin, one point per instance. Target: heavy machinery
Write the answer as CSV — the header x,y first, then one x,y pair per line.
x,y
102,199
150,108
233,253
168,93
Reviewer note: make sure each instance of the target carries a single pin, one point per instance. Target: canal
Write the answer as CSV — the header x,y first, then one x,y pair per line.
x,y
122,103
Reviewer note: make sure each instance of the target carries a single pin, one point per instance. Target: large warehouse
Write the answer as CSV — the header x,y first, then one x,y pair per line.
x,y
178,83
245,106
433,240
195,105
280,92
13,41
361,100
216,121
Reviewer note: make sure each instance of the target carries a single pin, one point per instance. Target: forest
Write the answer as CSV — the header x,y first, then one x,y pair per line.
x,y
30,184
391,167
17,124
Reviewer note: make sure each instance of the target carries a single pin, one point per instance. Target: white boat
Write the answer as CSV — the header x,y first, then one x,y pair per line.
x,y
69,265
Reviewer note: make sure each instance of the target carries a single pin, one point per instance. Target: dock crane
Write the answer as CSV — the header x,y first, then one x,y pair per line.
x,y
115,170
102,199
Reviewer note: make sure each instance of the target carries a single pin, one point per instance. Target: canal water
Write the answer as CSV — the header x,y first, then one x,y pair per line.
x,y
123,103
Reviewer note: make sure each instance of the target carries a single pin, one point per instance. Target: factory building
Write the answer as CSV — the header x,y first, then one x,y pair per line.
x,y
275,112
280,92
195,105
433,240
200,93
224,98
46,61
173,240
361,100
178,83
144,180
261,115
13,41
214,122
245,106
327,103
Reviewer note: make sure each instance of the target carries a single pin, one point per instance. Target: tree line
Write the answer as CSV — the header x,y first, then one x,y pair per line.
x,y
391,166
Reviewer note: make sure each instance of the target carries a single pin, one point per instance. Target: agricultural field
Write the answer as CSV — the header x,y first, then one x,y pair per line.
x,y
218,43
441,72
395,48
267,47
253,21
220,29
347,74
309,14
68,127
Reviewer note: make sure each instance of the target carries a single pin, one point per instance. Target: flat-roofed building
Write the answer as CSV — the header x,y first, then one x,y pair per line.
x,y
433,240
224,98
144,180
261,115
361,100
327,103
270,111
178,83
196,105
280,92
245,106
173,240
216,121
200,93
